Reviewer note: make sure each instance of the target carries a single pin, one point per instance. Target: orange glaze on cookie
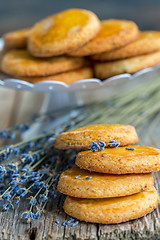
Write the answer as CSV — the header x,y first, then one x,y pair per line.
x,y
108,29
75,171
122,151
82,138
97,127
57,27
110,202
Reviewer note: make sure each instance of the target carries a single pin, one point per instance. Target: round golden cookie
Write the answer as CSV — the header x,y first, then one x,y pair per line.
x,y
120,160
113,34
147,42
62,32
66,77
80,183
21,63
16,39
130,65
112,210
82,138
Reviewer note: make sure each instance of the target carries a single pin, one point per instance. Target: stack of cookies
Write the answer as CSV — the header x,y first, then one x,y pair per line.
x,y
70,45
112,182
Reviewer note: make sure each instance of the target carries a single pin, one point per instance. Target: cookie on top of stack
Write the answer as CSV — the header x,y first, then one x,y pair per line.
x,y
112,182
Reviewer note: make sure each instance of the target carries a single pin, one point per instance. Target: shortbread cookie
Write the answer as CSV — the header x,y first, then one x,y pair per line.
x,y
121,160
63,32
113,34
66,77
81,138
80,183
147,42
130,65
16,39
21,63
112,210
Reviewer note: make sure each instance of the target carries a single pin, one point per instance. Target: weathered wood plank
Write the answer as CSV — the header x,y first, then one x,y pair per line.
x,y
12,226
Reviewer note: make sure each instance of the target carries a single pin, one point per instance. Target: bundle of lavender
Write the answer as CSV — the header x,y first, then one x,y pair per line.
x,y
28,169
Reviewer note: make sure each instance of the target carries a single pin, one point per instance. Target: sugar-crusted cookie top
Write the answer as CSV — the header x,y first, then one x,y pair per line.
x,y
62,32
113,202
125,151
60,25
98,127
81,174
83,137
113,34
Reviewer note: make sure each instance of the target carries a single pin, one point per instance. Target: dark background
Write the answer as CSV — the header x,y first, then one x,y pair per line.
x,y
23,13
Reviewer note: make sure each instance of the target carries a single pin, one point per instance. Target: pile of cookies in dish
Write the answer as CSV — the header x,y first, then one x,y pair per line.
x,y
74,44
112,182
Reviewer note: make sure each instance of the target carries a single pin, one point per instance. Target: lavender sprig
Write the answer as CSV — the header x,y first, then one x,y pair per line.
x,y
129,148
97,146
12,132
113,144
